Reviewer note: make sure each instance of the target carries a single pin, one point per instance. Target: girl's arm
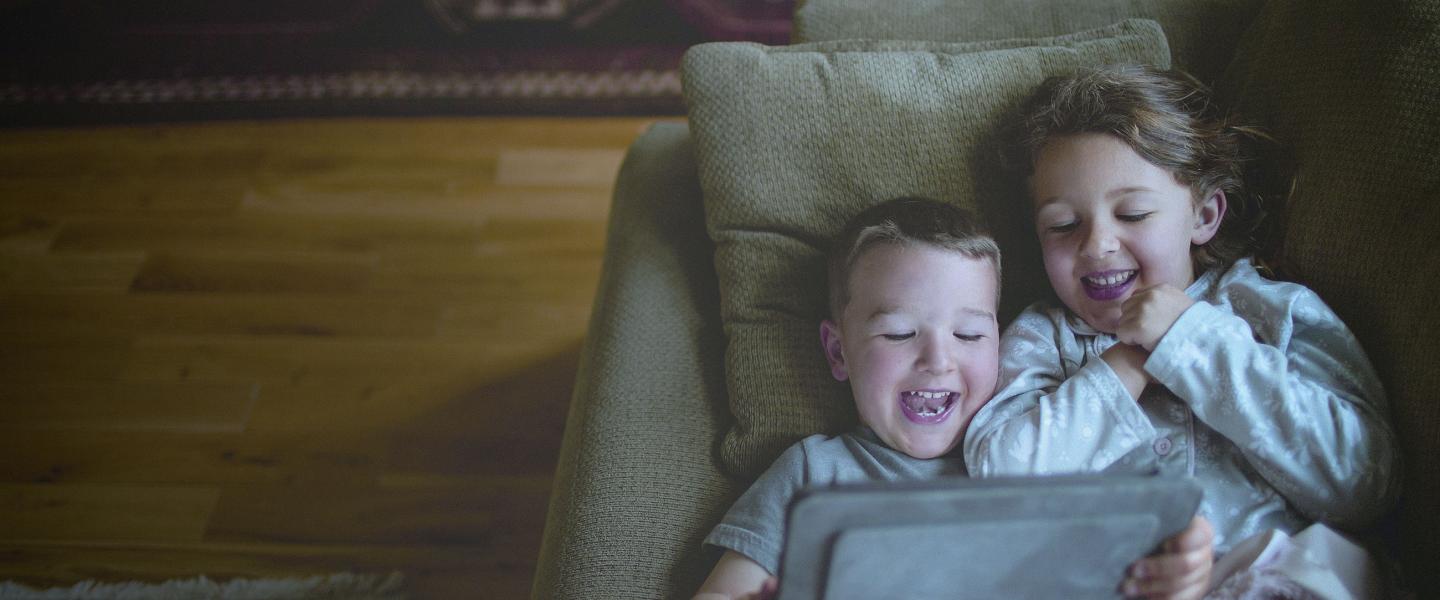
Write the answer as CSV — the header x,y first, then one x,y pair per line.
x,y
1052,414
1302,402
735,576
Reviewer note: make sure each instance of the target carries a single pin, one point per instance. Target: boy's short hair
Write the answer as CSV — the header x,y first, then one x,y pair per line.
x,y
905,221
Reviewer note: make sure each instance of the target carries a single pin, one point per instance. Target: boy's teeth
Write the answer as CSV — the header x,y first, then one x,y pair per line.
x,y
925,403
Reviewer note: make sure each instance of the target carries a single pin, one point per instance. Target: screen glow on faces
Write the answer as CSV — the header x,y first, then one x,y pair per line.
x,y
919,343
1110,223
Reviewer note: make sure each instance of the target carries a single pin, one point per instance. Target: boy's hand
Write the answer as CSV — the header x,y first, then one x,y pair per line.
x,y
1149,313
1181,571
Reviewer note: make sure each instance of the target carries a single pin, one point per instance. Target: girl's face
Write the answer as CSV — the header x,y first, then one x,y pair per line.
x,y
919,344
1111,223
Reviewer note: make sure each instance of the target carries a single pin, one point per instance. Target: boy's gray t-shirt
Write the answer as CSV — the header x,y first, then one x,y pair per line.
x,y
755,524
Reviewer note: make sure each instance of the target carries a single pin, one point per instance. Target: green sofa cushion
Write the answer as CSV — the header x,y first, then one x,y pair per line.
x,y
1354,89
1202,34
791,141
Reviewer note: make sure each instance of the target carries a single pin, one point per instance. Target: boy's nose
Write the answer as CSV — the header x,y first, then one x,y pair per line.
x,y
935,357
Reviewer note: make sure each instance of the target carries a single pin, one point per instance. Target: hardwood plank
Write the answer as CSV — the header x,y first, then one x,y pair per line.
x,y
57,358
91,272
212,273
168,458
559,167
480,278
454,196
25,232
113,406
127,189
341,406
294,361
267,234
105,512
529,239
498,513
430,571
271,314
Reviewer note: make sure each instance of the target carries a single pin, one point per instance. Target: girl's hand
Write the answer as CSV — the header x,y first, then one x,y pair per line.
x,y
1149,313
1181,571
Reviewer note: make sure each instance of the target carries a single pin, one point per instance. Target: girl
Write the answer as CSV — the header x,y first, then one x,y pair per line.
x,y
1168,350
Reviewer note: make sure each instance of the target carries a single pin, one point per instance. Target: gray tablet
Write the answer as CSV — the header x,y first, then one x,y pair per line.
x,y
955,537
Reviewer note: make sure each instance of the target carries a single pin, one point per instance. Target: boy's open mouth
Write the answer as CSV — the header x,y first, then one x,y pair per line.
x,y
927,407
1108,285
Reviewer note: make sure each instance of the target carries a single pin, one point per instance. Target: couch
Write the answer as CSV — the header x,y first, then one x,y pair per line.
x,y
650,460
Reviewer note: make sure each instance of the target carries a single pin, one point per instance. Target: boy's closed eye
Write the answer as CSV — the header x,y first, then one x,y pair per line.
x,y
964,337
1134,217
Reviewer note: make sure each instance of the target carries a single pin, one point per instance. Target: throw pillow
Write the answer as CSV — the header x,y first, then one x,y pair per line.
x,y
792,141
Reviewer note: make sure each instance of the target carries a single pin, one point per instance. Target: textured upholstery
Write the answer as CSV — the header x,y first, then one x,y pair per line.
x,y
776,133
637,487
1354,90
1202,33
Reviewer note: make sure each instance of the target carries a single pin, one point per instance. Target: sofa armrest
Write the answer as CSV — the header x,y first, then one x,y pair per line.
x,y
1202,35
638,484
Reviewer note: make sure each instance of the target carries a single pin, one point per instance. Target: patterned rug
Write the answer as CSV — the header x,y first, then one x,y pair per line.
x,y
84,62
340,586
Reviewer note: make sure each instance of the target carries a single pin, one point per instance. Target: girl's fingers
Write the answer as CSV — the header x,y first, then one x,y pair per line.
x,y
1182,570
1181,567
1199,534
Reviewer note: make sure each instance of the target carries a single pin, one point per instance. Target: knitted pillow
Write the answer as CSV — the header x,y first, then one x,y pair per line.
x,y
1354,90
792,141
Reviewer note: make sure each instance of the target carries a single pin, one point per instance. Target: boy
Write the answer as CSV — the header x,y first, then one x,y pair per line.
x,y
914,286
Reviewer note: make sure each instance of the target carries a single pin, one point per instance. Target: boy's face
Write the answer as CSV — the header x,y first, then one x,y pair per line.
x,y
919,344
1111,223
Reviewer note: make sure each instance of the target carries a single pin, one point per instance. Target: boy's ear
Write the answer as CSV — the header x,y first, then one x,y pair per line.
x,y
1208,215
830,341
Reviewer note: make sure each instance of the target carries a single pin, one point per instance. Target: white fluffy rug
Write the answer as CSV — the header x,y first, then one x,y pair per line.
x,y
346,586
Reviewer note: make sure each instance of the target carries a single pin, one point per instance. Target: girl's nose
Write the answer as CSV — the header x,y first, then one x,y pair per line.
x,y
1100,241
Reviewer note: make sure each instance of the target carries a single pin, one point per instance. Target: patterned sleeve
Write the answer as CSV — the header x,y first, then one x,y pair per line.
x,y
1290,386
1052,415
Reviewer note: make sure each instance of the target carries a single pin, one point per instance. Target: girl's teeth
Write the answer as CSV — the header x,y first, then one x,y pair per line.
x,y
1109,280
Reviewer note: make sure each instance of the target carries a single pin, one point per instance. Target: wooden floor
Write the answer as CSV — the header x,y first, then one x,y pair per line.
x,y
293,348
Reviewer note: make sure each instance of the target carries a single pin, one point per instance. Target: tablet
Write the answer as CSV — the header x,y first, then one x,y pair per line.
x,y
956,537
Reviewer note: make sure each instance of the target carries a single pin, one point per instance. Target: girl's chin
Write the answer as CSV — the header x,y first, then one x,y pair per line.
x,y
1106,321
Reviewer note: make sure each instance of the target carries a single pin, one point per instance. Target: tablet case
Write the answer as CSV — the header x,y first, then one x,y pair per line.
x,y
955,537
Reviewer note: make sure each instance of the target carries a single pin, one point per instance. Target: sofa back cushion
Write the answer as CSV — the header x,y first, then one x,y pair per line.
x,y
1354,90
792,141
1202,35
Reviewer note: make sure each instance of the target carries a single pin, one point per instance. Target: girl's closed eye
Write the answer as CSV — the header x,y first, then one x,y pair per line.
x,y
1063,227
898,337
964,337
